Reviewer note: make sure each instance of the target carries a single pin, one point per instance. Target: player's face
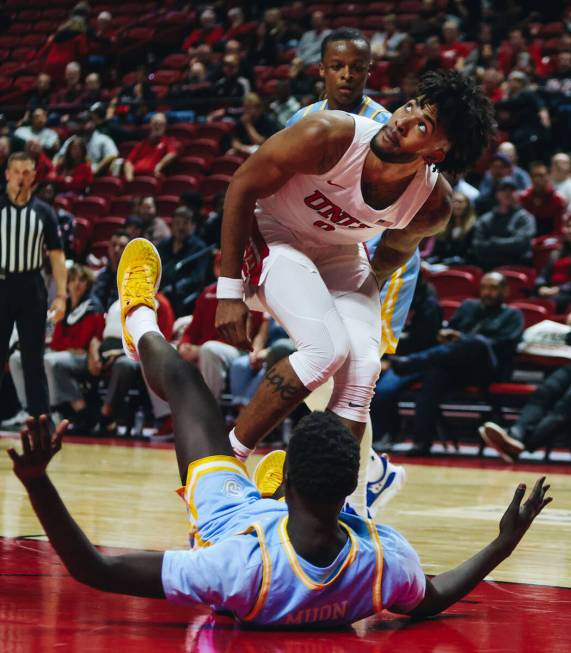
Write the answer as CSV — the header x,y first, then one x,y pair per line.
x,y
412,132
344,69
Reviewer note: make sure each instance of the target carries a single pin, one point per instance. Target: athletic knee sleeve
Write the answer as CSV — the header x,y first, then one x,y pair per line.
x,y
353,391
322,352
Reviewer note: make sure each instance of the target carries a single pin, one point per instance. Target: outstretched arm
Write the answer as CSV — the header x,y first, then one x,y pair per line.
x,y
447,588
398,245
138,574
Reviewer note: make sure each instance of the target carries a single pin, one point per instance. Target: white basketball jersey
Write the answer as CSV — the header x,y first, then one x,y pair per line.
x,y
329,209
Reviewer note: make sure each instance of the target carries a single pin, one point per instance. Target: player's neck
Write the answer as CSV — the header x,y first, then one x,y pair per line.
x,y
385,172
317,539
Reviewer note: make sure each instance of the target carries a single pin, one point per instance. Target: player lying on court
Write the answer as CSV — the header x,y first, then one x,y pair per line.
x,y
268,562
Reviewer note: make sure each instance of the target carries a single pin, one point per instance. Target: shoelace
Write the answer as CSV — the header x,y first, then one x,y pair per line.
x,y
138,281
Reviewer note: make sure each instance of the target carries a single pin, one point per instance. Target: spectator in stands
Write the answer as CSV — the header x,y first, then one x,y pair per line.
x,y
384,45
68,99
66,360
135,227
44,167
68,44
40,96
152,155
556,91
106,359
402,71
285,104
202,345
193,92
546,414
407,90
271,38
543,201
245,68
101,150
477,348
500,167
210,229
182,244
420,333
561,175
102,42
105,285
452,48
524,116
454,243
231,85
133,101
554,281
309,47
521,176
204,56
503,235
155,228
492,80
254,127
516,45
73,173
37,130
433,59
46,191
301,84
93,91
209,32
5,151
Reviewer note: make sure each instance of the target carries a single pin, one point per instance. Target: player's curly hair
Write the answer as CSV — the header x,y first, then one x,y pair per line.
x,y
465,113
323,458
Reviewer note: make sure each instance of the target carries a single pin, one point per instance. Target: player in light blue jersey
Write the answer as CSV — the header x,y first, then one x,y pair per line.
x,y
271,563
345,64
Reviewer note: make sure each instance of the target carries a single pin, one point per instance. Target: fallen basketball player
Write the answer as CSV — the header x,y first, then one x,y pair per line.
x,y
272,563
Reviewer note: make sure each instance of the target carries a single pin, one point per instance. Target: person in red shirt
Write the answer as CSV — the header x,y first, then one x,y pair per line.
x,y
44,167
154,154
202,345
452,49
68,44
209,32
74,173
66,360
543,201
515,45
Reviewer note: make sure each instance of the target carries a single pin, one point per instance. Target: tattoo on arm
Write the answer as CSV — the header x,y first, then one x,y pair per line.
x,y
278,383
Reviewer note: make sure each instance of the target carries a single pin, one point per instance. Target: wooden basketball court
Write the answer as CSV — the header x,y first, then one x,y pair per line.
x,y
123,495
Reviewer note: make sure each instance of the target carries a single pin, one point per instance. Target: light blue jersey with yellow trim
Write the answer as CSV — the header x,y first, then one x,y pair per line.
x,y
366,107
398,291
247,564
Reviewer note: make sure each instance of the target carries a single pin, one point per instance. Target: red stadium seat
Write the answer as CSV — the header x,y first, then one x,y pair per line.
x,y
167,204
5,83
543,247
175,61
143,185
214,184
189,165
214,130
454,283
346,21
178,184
82,234
99,248
121,206
474,270
532,313
205,147
89,207
104,228
518,283
165,77
183,132
449,307
225,165
526,270
107,187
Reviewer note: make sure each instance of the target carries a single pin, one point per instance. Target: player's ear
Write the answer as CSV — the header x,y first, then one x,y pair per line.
x,y
434,157
321,69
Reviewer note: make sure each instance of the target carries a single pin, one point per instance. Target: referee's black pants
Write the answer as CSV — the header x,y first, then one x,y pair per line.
x,y
23,301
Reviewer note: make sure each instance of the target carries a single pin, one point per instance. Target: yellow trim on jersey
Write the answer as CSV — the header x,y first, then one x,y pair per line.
x,y
388,308
294,562
266,573
321,108
203,466
364,105
376,540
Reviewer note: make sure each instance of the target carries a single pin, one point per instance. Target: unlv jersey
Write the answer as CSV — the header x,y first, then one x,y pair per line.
x,y
329,209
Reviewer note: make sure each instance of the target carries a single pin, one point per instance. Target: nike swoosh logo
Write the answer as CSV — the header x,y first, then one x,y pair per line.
x,y
352,405
331,183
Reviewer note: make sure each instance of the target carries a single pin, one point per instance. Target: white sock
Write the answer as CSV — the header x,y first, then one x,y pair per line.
x,y
241,451
141,320
358,500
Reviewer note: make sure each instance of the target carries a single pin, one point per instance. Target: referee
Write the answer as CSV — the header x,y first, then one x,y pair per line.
x,y
27,228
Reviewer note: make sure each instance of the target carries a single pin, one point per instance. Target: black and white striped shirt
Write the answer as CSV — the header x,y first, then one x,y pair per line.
x,y
24,232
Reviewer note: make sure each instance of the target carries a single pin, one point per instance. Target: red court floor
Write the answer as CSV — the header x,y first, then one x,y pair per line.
x,y
42,609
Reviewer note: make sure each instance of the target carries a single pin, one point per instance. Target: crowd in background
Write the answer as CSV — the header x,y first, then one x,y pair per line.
x,y
246,68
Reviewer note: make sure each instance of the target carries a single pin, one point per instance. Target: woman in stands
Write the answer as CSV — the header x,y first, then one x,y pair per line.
x,y
74,174
453,244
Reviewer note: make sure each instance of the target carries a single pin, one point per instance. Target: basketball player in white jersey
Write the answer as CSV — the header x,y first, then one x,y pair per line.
x,y
318,191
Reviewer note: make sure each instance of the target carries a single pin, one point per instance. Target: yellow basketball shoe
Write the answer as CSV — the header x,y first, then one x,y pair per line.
x,y
269,473
138,279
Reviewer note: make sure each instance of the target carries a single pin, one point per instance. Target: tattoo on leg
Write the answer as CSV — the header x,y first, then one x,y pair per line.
x,y
286,391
